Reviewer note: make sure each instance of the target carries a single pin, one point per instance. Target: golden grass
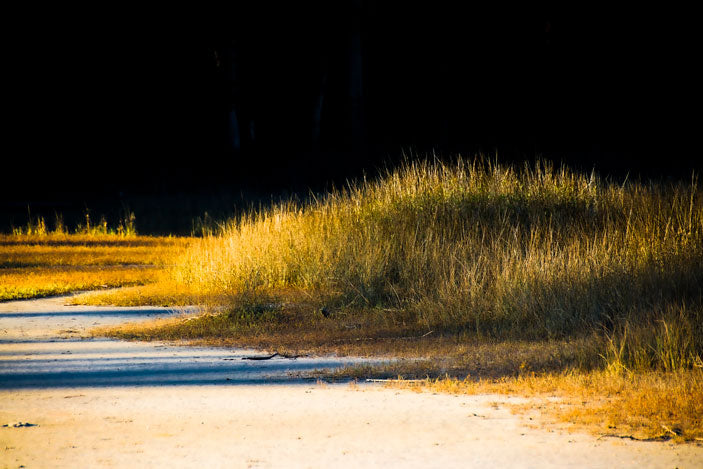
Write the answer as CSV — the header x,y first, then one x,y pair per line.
x,y
535,280
160,292
79,240
24,255
496,252
16,284
294,329
37,227
54,263
649,405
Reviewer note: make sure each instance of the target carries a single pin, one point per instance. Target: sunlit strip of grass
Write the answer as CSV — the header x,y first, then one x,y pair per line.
x,y
28,283
43,255
42,264
81,239
160,293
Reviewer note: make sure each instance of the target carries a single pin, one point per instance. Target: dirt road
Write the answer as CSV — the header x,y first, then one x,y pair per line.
x,y
103,403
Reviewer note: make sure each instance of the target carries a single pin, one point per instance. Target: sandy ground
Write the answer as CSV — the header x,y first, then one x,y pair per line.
x,y
103,403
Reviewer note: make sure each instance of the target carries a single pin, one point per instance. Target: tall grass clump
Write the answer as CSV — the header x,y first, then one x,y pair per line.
x,y
37,227
499,251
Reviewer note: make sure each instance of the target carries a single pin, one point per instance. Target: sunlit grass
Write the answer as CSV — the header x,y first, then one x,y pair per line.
x,y
36,262
37,227
291,329
37,255
497,252
159,292
646,405
36,282
530,280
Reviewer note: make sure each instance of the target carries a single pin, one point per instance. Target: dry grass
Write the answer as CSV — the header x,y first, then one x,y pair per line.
x,y
496,252
17,284
293,329
38,255
37,227
53,263
649,405
160,292
536,280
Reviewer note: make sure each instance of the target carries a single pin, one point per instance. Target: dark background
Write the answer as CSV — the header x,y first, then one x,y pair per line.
x,y
171,114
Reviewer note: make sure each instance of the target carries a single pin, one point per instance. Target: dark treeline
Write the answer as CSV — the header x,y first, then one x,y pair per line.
x,y
262,98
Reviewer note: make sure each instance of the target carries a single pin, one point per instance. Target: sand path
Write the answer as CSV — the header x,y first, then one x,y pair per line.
x,y
104,403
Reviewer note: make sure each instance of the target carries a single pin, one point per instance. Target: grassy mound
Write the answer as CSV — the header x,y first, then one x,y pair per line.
x,y
535,280
481,249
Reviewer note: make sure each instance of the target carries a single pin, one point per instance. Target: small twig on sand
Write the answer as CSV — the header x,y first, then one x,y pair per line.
x,y
265,357
275,354
396,380
634,438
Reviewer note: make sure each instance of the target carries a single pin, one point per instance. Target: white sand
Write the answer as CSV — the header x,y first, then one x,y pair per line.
x,y
117,404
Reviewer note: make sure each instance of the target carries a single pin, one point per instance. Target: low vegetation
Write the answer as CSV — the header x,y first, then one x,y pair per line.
x,y
36,282
37,262
643,406
472,249
530,277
